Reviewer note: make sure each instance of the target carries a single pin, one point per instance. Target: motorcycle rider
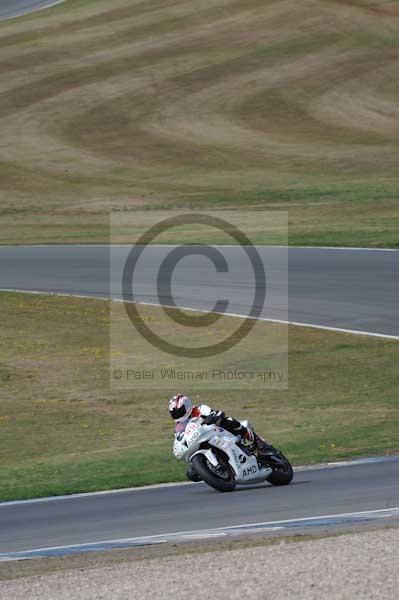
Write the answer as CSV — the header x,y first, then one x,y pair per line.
x,y
182,410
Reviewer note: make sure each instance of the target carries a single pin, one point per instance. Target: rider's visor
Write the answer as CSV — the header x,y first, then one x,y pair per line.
x,y
178,413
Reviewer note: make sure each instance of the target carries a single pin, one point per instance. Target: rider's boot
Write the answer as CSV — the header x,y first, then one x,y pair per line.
x,y
262,447
248,440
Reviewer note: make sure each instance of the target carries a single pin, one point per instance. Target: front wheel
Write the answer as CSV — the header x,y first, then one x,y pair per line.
x,y
220,478
282,473
193,475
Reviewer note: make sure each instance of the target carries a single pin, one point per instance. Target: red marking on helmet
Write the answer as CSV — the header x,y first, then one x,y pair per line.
x,y
178,399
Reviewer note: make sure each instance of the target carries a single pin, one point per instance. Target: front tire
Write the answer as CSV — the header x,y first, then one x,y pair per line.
x,y
207,472
193,475
282,474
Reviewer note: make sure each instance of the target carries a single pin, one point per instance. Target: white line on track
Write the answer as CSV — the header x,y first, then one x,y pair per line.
x,y
213,245
374,334
278,321
181,536
29,11
316,467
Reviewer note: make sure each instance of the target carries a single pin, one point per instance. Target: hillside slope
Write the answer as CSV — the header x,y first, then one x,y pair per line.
x,y
135,103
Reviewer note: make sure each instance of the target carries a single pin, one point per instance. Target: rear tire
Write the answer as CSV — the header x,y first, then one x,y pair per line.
x,y
281,475
201,467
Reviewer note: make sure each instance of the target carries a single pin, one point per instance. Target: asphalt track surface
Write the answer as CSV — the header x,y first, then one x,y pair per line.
x,y
338,288
16,8
162,510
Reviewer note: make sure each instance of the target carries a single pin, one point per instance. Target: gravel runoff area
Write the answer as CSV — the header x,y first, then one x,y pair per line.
x,y
361,565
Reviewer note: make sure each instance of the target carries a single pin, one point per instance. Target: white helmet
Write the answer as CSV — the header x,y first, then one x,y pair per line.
x,y
180,407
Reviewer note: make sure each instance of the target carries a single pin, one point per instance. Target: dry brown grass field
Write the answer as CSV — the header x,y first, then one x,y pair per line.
x,y
193,103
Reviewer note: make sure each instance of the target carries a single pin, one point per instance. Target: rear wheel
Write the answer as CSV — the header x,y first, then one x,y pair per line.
x,y
282,473
221,478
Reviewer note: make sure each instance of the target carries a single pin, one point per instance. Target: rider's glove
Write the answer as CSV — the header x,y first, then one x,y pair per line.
x,y
214,417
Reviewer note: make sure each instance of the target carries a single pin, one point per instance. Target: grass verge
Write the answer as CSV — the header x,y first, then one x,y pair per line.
x,y
62,430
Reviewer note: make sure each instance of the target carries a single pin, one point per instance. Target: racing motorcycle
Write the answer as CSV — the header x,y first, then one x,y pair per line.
x,y
217,457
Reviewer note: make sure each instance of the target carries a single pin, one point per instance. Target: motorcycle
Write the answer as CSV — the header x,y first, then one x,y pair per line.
x,y
217,457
